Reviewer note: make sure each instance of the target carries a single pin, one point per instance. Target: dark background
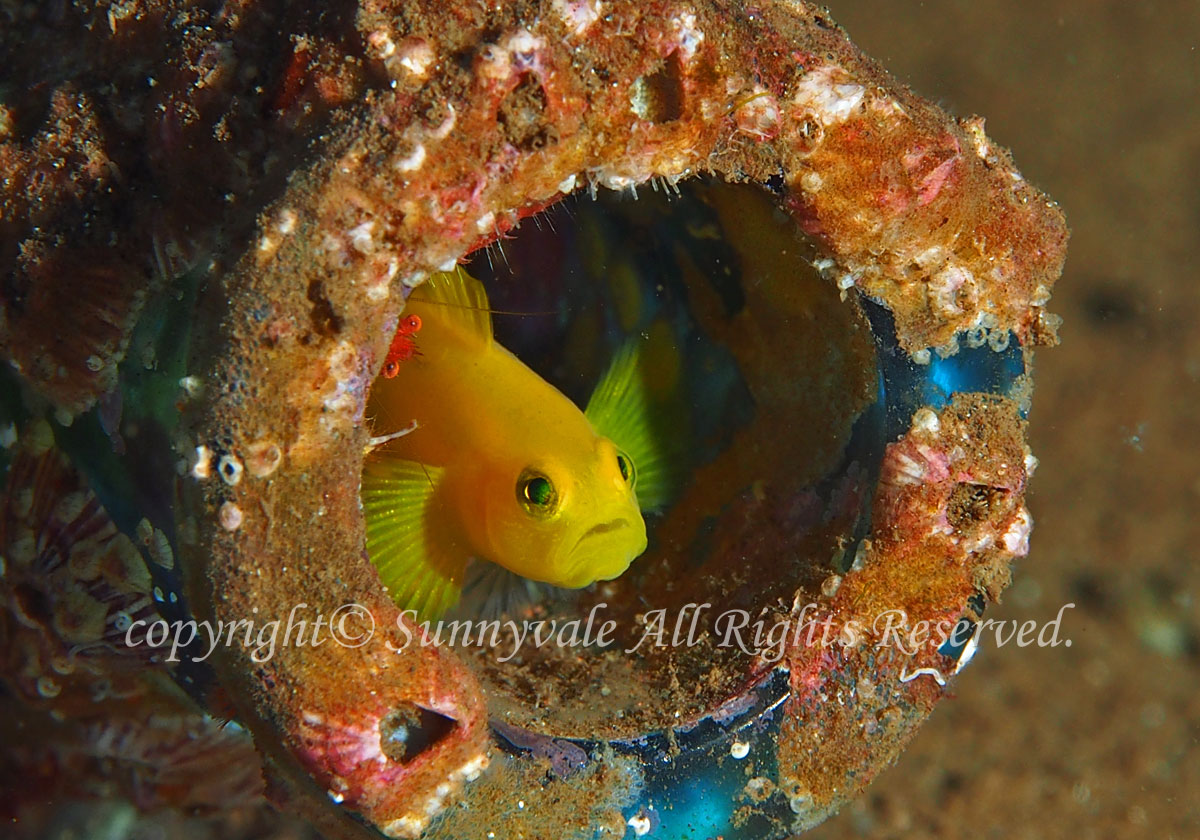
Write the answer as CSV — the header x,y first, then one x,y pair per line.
x,y
1100,104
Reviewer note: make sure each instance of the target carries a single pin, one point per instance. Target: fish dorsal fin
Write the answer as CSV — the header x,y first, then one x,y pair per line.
x,y
454,299
637,406
408,540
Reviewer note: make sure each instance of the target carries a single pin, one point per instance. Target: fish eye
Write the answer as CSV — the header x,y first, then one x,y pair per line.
x,y
536,493
626,467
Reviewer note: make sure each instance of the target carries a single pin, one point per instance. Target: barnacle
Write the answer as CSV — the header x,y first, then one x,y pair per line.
x,y
865,278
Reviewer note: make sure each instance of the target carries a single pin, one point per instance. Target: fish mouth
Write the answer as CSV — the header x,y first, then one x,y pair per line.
x,y
599,552
603,528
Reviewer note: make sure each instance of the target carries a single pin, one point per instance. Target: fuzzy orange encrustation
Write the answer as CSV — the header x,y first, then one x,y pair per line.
x,y
910,586
452,155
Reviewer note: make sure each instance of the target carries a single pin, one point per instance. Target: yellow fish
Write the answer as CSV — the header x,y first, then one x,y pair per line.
x,y
503,467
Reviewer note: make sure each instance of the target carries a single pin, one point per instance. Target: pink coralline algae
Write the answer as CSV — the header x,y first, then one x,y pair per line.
x,y
950,521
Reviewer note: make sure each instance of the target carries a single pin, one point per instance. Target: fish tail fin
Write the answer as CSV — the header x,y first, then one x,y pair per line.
x,y
407,538
454,299
638,405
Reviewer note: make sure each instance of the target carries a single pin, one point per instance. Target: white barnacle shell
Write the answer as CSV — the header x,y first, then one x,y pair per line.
x,y
230,468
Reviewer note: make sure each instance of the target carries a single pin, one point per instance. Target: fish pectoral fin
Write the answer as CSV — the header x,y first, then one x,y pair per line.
x,y
454,299
408,538
638,406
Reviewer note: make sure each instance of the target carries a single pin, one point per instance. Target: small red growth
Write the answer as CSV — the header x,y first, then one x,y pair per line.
x,y
404,345
294,78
